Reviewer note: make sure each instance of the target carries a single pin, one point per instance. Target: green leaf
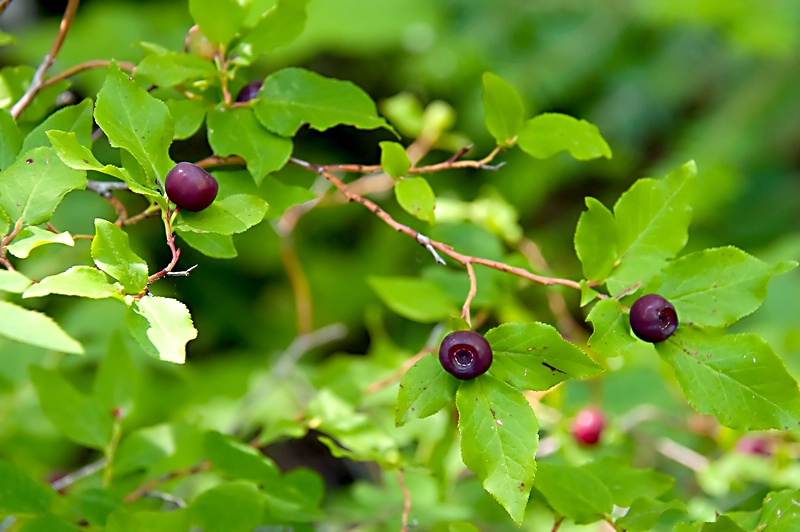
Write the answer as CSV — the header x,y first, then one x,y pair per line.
x,y
573,492
626,483
112,253
596,240
534,356
219,20
425,389
549,133
612,331
15,80
237,460
123,520
652,220
229,507
737,378
10,139
726,524
645,513
394,159
282,196
416,299
296,497
169,68
227,215
169,326
279,26
499,439
81,281
292,97
79,418
188,116
31,238
34,328
714,287
35,184
117,377
210,244
13,281
780,511
48,523
236,131
502,109
79,157
20,494
416,197
75,119
134,120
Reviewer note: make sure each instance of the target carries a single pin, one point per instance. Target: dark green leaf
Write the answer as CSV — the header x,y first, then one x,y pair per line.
x,y
112,253
573,492
534,356
219,20
413,298
394,159
237,460
236,131
416,197
282,196
425,389
35,184
626,483
48,523
278,27
652,225
502,108
134,120
75,415
292,97
596,240
738,378
126,521
20,494
229,507
612,331
73,119
499,439
714,287
169,68
169,327
10,139
117,378
210,244
81,281
15,80
645,514
35,328
188,116
549,133
726,524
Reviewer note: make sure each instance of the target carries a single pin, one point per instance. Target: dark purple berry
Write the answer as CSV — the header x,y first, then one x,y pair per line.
x,y
653,318
249,91
465,354
588,425
190,187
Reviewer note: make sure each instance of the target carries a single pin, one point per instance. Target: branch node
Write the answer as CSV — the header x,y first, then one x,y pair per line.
x,y
425,242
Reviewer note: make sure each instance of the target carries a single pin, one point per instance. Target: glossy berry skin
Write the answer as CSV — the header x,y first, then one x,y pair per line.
x,y
190,187
465,354
653,318
588,425
249,91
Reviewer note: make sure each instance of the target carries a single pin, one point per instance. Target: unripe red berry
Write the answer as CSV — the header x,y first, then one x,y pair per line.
x,y
588,425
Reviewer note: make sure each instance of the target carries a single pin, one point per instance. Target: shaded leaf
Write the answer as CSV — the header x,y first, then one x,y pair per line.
x,y
112,253
612,331
117,378
75,119
169,68
416,299
10,139
229,507
503,110
573,492
645,513
238,460
188,116
279,26
425,389
626,483
210,244
20,494
596,240
416,197
219,20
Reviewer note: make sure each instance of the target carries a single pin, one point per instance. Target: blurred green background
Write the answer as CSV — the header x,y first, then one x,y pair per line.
x,y
664,80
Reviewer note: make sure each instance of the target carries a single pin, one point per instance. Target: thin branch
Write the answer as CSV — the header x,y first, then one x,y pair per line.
x,y
85,471
682,454
88,65
473,289
214,160
147,487
557,524
5,242
4,5
48,60
176,253
299,282
397,375
406,500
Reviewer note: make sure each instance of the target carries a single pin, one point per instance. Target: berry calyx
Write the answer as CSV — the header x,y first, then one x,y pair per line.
x,y
588,425
249,91
653,318
465,354
190,187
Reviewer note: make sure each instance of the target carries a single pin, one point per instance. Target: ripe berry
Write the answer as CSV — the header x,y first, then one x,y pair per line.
x,y
588,425
465,354
653,318
249,91
190,187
